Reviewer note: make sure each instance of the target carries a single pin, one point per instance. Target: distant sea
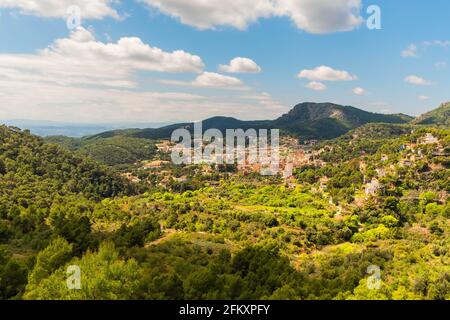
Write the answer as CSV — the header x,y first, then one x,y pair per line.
x,y
75,130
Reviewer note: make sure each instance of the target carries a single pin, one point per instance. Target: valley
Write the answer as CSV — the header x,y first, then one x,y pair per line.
x,y
361,190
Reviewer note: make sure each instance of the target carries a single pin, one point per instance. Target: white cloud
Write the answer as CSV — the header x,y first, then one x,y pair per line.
x,y
322,16
309,15
99,105
212,13
416,80
411,51
80,79
423,98
359,91
87,104
241,65
215,80
90,9
317,86
324,73
81,60
210,80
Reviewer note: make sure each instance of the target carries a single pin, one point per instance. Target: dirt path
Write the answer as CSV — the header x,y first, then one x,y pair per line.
x,y
167,234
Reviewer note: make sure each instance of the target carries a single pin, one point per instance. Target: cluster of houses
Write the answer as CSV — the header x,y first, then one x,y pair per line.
x,y
412,153
415,153
293,155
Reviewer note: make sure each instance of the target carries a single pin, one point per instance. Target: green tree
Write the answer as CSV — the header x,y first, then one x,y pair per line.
x,y
139,232
58,252
2,167
75,229
104,276
13,276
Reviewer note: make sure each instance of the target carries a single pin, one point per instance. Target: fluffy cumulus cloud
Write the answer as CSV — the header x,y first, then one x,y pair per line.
x,y
81,60
423,98
316,86
315,16
212,13
322,16
416,80
90,9
241,65
210,80
325,73
359,91
80,79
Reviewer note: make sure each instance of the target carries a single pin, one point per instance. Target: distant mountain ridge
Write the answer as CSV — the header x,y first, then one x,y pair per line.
x,y
307,120
329,120
221,123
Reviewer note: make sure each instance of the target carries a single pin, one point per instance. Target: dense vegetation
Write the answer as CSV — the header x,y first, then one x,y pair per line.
x,y
198,232
112,150
328,120
439,116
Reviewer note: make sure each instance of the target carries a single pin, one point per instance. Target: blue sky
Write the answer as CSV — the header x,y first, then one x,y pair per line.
x,y
91,75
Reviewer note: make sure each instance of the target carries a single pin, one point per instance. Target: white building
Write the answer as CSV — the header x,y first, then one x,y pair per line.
x,y
373,187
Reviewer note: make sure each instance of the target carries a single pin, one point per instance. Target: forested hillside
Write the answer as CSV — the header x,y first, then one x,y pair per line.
x,y
438,117
43,191
328,120
41,171
114,150
198,233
